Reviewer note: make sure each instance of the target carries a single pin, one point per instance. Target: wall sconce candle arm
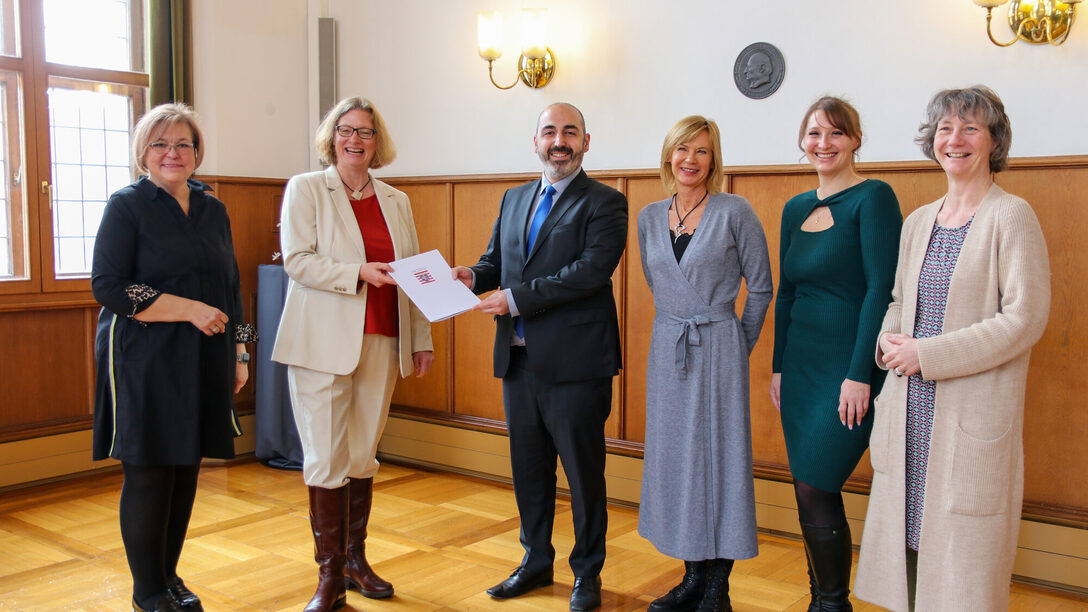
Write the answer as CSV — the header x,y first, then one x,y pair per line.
x,y
1038,22
990,32
490,73
535,73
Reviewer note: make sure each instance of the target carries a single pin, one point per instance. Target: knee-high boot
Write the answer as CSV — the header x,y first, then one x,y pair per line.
x,y
327,521
814,594
716,595
357,572
830,557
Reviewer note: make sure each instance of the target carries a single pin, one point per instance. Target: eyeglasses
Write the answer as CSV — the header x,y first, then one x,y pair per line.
x,y
364,132
181,148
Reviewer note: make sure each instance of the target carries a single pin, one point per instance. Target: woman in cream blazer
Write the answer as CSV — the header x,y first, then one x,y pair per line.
x,y
941,530
345,332
323,290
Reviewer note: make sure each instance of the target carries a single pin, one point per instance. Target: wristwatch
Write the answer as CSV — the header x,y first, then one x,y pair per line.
x,y
242,357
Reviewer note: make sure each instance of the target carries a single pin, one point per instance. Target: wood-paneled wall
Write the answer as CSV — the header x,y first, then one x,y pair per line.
x,y
48,369
47,339
1057,421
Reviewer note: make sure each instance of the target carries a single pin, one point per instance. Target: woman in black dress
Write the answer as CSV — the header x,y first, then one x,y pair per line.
x,y
170,347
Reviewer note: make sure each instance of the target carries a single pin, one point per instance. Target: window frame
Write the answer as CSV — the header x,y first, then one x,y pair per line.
x,y
37,165
13,155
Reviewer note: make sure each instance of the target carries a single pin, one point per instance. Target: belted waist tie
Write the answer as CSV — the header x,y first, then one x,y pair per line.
x,y
689,331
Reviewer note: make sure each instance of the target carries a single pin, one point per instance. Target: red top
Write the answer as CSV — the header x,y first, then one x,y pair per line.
x,y
381,302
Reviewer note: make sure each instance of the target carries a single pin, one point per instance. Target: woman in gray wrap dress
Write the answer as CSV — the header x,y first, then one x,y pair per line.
x,y
697,499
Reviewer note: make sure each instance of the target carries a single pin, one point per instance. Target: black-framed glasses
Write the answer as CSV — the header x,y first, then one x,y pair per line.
x,y
181,148
364,132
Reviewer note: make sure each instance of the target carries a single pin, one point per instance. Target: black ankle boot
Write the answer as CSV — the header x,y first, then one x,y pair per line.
x,y
716,596
685,596
830,557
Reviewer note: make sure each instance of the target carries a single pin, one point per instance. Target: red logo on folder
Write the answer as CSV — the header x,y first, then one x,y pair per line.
x,y
423,276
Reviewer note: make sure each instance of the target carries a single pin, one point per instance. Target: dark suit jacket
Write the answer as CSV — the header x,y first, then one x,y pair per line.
x,y
563,289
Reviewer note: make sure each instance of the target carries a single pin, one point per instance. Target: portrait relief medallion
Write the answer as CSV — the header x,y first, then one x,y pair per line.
x,y
759,70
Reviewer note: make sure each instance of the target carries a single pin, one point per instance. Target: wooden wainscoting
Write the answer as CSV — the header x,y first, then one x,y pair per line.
x,y
47,386
48,338
47,369
464,393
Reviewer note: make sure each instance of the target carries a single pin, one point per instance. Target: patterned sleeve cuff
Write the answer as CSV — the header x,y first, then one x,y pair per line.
x,y
245,332
140,295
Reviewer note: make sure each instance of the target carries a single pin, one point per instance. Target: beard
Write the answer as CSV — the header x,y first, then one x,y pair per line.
x,y
560,169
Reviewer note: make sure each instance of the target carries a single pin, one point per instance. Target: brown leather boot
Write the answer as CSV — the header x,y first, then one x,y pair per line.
x,y
357,572
327,522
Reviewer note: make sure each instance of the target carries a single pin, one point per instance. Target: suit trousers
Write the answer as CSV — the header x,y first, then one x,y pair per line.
x,y
341,418
546,420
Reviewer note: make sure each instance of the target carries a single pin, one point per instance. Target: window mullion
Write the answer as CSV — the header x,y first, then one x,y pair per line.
x,y
39,183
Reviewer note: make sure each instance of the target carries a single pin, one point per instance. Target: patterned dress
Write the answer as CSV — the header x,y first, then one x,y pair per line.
x,y
936,274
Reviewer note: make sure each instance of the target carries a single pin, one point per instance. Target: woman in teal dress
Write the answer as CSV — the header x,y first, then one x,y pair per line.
x,y
838,252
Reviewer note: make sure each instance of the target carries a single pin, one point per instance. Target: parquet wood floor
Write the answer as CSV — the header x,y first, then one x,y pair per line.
x,y
442,539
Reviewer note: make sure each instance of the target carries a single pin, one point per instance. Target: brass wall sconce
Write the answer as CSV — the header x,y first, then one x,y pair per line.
x,y
536,64
1034,21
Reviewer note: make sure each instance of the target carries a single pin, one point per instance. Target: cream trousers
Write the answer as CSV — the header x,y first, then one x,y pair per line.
x,y
341,418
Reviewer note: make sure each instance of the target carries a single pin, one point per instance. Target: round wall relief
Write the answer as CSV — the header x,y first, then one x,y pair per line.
x,y
759,70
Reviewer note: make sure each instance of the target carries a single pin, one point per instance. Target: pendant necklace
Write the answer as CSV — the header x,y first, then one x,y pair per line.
x,y
356,194
680,227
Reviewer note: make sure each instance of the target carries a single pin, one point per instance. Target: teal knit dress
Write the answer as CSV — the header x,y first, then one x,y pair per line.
x,y
834,288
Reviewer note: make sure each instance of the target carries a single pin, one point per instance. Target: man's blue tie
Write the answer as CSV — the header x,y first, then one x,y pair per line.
x,y
538,218
534,228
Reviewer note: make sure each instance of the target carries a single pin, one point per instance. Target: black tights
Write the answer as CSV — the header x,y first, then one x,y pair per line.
x,y
156,503
819,508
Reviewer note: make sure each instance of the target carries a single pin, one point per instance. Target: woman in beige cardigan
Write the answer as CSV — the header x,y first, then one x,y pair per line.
x,y
345,333
971,297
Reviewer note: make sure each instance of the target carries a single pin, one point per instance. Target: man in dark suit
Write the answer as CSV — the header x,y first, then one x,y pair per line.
x,y
553,250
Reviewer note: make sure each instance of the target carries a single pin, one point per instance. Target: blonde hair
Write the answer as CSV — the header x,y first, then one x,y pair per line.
x,y
684,131
158,120
384,151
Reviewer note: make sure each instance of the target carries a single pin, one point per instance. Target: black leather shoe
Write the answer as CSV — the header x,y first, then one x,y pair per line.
x,y
520,583
165,603
586,594
183,596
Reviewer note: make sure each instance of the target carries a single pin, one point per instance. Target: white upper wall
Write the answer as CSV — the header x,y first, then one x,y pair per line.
x,y
250,87
633,67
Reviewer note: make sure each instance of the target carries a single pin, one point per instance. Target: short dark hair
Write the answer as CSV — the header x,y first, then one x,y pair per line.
x,y
979,102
